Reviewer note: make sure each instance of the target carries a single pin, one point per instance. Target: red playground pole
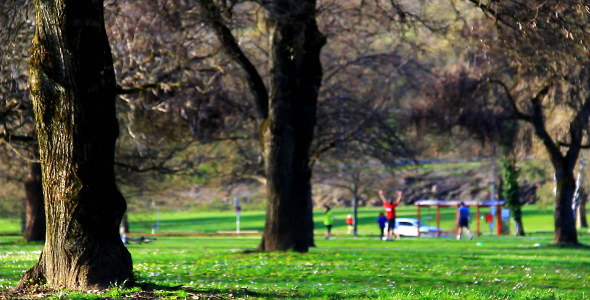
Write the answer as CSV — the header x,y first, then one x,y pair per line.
x,y
498,219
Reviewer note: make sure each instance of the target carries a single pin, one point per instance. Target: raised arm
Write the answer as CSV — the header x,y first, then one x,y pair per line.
x,y
398,198
381,196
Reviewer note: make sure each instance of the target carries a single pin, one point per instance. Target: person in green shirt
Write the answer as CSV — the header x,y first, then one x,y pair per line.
x,y
328,221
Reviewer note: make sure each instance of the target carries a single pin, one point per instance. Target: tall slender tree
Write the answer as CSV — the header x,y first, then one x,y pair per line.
x,y
544,48
562,30
511,192
72,86
286,112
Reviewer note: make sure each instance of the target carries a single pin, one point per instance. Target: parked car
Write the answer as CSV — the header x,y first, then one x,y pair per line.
x,y
409,227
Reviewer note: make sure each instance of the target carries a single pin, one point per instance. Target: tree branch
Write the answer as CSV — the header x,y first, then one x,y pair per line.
x,y
519,115
492,13
538,122
577,126
6,140
232,49
564,144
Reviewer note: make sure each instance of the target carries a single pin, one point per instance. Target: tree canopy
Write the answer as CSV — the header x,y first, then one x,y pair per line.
x,y
276,90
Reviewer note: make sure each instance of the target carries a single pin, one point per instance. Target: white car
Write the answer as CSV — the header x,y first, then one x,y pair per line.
x,y
409,227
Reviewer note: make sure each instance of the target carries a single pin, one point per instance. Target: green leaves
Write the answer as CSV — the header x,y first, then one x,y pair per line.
x,y
511,189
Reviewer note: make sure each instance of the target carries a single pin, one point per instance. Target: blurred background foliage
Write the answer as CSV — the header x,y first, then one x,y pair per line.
x,y
408,100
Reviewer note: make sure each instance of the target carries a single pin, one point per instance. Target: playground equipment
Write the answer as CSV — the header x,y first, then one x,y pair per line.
x,y
455,203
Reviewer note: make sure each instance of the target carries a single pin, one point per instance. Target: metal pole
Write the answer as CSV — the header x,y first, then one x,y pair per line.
x,y
355,214
418,215
438,219
477,216
158,218
498,219
238,213
238,222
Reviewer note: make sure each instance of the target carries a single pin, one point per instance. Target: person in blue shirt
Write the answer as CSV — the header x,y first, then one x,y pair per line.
x,y
463,220
381,220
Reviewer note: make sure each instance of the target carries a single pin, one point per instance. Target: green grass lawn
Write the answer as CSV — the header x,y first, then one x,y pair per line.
x,y
534,220
344,268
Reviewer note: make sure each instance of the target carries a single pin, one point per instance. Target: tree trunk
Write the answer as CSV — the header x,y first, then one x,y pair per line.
x,y
565,229
35,210
563,165
517,217
72,86
355,205
295,80
581,221
124,227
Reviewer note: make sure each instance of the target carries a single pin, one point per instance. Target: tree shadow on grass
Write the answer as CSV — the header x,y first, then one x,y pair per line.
x,y
146,291
21,242
210,293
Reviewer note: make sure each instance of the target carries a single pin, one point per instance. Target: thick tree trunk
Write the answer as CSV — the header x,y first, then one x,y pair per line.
x,y
296,75
565,227
72,86
35,210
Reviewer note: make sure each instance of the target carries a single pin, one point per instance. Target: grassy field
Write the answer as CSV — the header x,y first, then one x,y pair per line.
x,y
534,220
346,267
486,267
190,221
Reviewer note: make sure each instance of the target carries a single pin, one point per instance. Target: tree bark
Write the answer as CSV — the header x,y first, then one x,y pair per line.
x,y
295,80
35,210
565,228
72,86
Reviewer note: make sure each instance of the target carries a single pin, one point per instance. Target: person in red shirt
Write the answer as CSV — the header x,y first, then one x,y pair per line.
x,y
390,212
350,223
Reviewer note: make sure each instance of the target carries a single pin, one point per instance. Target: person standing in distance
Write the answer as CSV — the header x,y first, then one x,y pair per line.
x,y
463,220
350,223
390,212
328,221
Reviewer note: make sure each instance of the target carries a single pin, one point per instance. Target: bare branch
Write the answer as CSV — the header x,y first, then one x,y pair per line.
x,y
233,50
492,13
18,153
507,91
